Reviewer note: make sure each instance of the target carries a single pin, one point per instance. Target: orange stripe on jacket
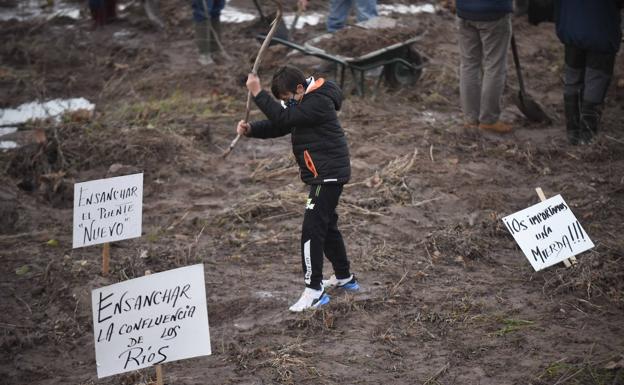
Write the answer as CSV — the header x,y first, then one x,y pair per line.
x,y
309,163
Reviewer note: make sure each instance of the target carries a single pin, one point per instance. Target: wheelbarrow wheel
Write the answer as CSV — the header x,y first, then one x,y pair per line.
x,y
399,75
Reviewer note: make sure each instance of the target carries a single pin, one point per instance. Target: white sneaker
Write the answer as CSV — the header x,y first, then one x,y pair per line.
x,y
206,59
349,283
310,299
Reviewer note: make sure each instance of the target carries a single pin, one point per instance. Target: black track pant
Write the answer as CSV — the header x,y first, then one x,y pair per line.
x,y
588,73
320,234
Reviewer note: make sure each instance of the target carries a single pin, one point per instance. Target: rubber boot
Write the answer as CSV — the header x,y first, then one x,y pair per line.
x,y
572,110
202,38
216,27
590,121
111,10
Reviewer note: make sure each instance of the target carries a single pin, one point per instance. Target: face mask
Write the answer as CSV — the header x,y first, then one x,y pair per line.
x,y
291,102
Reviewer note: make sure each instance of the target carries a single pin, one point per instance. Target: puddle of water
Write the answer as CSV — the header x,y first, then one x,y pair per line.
x,y
386,9
123,34
7,144
36,110
234,15
312,18
32,9
264,294
7,130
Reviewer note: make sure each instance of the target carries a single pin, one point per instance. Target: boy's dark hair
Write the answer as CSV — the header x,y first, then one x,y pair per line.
x,y
286,79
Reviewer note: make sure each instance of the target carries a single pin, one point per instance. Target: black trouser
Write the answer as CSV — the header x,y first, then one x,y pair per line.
x,y
588,73
320,234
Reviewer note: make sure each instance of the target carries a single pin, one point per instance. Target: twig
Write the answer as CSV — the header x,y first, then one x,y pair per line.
x,y
426,201
175,223
59,149
614,139
437,374
26,304
396,286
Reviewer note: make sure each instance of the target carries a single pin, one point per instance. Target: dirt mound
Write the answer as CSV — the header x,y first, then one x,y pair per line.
x,y
355,42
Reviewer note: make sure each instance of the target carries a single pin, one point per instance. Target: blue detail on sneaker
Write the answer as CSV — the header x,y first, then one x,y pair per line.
x,y
324,300
352,285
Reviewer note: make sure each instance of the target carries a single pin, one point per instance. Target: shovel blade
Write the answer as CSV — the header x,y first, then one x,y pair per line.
x,y
530,108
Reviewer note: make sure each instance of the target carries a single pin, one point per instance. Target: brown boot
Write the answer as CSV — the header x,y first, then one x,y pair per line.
x,y
498,127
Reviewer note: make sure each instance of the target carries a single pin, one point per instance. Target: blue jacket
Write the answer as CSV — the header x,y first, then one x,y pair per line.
x,y
483,10
593,25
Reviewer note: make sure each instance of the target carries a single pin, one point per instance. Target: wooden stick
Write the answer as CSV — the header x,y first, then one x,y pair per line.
x,y
159,370
254,70
105,258
159,375
567,262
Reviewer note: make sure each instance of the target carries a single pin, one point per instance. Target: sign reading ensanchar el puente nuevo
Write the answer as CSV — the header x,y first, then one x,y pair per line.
x,y
150,320
108,210
548,232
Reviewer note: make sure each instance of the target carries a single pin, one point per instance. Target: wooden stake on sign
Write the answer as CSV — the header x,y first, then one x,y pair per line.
x,y
105,258
159,371
159,375
567,262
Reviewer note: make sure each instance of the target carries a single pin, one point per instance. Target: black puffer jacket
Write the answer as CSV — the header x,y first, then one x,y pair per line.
x,y
318,141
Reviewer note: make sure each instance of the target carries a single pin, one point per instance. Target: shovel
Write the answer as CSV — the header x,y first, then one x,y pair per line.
x,y
282,30
525,103
291,30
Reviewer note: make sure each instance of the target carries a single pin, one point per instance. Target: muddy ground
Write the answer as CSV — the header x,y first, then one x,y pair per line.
x,y
448,297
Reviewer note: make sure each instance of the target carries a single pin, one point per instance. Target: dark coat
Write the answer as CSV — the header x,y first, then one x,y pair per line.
x,y
483,10
591,25
319,143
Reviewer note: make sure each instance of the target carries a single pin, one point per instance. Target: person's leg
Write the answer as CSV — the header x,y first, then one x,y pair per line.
x,y
338,13
215,20
495,37
573,77
202,29
365,9
470,50
320,206
334,247
598,75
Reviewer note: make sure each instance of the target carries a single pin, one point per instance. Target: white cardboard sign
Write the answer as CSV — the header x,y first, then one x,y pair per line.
x,y
548,232
150,320
107,210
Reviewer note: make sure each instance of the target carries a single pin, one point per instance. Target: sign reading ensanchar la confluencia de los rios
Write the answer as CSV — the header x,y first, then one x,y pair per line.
x,y
108,210
150,320
548,232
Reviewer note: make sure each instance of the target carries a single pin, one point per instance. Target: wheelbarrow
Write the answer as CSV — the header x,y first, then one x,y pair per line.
x,y
400,62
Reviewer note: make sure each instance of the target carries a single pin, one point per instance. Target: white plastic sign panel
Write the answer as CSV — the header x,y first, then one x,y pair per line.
x,y
108,210
150,320
548,232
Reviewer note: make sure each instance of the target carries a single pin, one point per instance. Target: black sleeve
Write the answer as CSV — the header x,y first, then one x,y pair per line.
x,y
264,129
312,109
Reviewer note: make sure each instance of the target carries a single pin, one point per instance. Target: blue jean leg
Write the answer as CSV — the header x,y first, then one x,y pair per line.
x,y
365,9
214,9
339,11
